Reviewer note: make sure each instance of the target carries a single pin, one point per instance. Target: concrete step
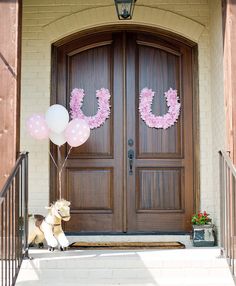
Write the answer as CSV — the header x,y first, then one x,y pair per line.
x,y
196,266
101,259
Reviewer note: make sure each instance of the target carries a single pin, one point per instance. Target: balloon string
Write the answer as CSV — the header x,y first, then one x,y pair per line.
x,y
59,185
60,172
65,159
53,160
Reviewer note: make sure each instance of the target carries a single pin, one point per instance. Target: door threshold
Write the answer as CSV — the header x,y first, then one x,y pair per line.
x,y
71,233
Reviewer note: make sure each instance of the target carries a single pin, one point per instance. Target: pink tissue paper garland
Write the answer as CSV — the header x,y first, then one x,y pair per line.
x,y
103,113
165,121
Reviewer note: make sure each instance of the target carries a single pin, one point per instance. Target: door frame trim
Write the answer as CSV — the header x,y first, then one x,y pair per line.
x,y
125,217
195,111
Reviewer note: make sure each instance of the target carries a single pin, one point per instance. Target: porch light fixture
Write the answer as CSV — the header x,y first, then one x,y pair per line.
x,y
124,9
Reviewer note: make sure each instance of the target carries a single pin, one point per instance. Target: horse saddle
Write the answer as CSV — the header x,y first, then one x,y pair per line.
x,y
38,219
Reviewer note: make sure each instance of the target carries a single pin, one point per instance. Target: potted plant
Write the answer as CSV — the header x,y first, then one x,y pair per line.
x,y
203,229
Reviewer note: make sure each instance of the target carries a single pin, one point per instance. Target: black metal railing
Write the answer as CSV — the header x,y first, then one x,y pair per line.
x,y
13,221
227,209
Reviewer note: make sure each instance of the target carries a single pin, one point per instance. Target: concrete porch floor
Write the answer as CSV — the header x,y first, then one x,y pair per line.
x,y
185,267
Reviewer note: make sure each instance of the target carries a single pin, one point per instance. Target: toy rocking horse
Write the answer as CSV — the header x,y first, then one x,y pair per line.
x,y
49,227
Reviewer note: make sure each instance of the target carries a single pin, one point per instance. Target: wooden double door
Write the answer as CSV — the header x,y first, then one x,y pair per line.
x,y
127,177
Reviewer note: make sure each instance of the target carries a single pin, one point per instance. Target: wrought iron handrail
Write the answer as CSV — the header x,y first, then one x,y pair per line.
x,y
14,221
227,208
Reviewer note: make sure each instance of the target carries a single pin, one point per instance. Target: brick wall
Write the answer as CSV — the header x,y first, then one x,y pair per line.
x,y
45,21
217,101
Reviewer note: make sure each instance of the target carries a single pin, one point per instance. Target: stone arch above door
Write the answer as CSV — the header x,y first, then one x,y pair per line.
x,y
106,16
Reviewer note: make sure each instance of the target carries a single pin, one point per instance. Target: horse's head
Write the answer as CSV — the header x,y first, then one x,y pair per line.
x,y
61,209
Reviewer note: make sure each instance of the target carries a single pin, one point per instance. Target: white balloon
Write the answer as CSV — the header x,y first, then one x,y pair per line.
x,y
57,118
57,138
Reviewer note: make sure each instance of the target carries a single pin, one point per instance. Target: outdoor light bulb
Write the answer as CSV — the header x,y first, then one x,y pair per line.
x,y
124,9
125,12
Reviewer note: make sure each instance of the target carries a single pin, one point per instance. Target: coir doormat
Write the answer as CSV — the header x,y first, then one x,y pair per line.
x,y
128,245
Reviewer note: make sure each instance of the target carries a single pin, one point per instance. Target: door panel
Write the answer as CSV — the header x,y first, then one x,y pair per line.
x,y
158,69
157,196
90,69
93,176
90,188
160,190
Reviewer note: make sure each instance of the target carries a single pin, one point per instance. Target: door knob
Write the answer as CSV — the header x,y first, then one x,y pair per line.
x,y
131,157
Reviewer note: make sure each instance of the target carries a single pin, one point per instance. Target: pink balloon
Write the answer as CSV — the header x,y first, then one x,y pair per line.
x,y
77,132
37,126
